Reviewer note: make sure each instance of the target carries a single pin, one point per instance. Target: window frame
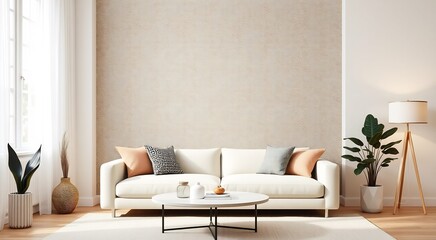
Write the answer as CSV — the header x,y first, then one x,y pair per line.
x,y
16,118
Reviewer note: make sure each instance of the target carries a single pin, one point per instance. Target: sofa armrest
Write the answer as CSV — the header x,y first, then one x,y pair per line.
x,y
328,175
111,173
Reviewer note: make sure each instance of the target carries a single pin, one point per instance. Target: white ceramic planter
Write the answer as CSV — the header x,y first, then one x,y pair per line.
x,y
371,199
20,210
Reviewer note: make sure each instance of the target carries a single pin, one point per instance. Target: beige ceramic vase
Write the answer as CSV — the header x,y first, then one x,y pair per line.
x,y
65,196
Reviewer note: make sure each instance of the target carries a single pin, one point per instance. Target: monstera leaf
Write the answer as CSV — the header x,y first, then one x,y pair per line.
x,y
23,180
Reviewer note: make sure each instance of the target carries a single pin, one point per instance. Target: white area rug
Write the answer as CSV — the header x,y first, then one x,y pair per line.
x,y
102,226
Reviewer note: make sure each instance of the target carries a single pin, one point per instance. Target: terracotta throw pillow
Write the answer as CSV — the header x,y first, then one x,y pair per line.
x,y
302,163
136,160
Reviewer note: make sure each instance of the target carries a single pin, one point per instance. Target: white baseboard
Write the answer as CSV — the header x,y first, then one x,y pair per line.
x,y
6,220
36,208
389,201
89,201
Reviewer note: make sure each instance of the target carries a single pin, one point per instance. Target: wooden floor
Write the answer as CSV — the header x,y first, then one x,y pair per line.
x,y
409,223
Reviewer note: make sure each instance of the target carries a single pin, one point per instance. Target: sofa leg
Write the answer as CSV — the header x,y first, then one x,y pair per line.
x,y
114,213
326,213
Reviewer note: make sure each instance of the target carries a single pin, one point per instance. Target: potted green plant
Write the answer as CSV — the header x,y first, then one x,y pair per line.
x,y
20,203
371,157
65,195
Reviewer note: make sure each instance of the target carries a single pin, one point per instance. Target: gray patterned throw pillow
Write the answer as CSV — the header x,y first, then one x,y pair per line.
x,y
163,160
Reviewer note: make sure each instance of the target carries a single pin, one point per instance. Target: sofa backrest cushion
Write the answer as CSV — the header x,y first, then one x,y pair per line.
x,y
242,161
204,161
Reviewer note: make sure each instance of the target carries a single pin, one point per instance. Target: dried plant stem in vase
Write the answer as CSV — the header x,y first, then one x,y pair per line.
x,y
65,196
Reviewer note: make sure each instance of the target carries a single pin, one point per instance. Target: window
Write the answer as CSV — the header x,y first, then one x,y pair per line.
x,y
24,35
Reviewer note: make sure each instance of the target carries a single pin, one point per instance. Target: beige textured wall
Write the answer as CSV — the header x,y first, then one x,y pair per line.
x,y
230,73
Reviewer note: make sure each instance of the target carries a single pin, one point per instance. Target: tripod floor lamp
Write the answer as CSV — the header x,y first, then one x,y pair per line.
x,y
407,112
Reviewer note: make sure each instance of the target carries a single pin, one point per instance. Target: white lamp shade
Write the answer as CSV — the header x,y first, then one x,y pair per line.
x,y
408,112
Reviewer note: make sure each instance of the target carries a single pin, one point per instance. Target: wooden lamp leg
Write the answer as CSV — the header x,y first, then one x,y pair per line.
x,y
418,179
400,180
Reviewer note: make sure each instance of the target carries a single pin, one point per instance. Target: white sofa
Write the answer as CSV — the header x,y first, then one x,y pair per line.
x,y
234,169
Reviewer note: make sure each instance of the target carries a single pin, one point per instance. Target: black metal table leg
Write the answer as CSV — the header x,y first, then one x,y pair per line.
x,y
163,218
216,223
213,226
255,217
210,215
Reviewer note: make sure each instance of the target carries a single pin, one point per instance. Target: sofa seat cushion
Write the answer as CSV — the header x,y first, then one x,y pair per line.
x,y
275,186
146,186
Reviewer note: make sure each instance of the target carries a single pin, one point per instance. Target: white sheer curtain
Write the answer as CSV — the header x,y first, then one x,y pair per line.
x,y
4,109
57,91
54,83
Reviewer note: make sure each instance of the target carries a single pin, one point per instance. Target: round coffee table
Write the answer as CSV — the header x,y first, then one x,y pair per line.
x,y
237,199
